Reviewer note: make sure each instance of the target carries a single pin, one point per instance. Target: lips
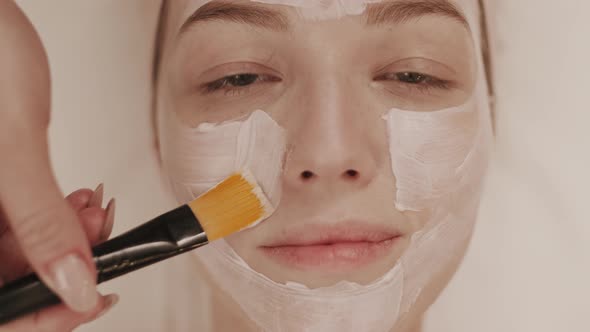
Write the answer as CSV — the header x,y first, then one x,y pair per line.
x,y
341,246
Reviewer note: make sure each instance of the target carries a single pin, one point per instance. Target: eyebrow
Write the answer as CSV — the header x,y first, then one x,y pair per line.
x,y
251,14
407,10
387,12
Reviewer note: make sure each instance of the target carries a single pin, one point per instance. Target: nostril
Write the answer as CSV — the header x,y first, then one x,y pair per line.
x,y
351,173
306,175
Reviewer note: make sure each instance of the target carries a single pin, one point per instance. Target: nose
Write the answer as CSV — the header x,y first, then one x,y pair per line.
x,y
333,144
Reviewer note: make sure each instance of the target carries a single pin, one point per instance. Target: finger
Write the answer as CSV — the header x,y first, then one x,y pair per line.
x,y
110,221
59,318
97,223
54,243
3,223
45,226
14,264
93,220
24,89
96,198
79,199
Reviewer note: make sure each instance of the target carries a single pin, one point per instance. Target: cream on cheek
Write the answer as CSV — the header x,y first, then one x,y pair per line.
x,y
198,158
428,151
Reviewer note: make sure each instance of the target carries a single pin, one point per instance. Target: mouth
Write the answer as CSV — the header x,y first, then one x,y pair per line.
x,y
343,246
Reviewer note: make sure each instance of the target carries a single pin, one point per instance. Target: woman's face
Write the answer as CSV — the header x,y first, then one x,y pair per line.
x,y
328,84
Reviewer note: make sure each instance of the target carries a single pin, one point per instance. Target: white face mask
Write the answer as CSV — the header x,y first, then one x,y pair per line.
x,y
437,168
324,10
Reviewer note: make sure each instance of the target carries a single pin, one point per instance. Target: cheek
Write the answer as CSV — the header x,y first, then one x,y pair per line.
x,y
196,159
429,152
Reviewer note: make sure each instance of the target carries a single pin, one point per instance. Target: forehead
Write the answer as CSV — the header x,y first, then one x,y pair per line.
x,y
181,10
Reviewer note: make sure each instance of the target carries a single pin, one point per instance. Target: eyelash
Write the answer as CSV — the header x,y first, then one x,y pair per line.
x,y
425,82
422,82
230,88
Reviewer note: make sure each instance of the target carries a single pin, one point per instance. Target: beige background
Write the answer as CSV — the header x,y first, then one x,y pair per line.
x,y
528,267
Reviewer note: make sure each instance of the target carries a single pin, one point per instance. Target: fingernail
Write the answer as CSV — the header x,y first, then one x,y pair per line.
x,y
72,280
109,302
107,228
96,198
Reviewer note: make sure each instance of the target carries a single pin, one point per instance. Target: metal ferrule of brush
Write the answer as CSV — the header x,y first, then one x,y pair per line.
x,y
168,235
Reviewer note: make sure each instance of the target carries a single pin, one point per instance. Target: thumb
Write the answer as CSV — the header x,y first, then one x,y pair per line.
x,y
45,226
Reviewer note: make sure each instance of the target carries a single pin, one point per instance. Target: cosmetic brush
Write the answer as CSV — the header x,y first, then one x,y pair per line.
x,y
234,204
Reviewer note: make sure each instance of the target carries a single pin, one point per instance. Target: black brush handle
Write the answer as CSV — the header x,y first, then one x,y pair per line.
x,y
24,296
168,235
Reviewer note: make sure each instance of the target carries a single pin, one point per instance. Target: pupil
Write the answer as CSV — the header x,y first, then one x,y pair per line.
x,y
414,78
243,79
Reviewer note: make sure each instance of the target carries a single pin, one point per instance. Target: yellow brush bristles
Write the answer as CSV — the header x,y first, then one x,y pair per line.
x,y
234,204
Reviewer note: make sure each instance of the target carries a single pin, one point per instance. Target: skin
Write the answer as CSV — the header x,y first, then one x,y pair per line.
x,y
332,118
30,199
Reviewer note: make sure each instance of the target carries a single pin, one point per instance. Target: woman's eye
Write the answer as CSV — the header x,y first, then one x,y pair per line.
x,y
411,78
237,81
415,79
240,79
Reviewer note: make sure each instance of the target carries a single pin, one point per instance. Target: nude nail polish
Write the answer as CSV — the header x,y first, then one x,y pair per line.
x,y
71,279
97,196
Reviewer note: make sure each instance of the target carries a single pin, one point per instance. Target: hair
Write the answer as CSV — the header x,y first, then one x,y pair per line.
x,y
159,42
485,49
